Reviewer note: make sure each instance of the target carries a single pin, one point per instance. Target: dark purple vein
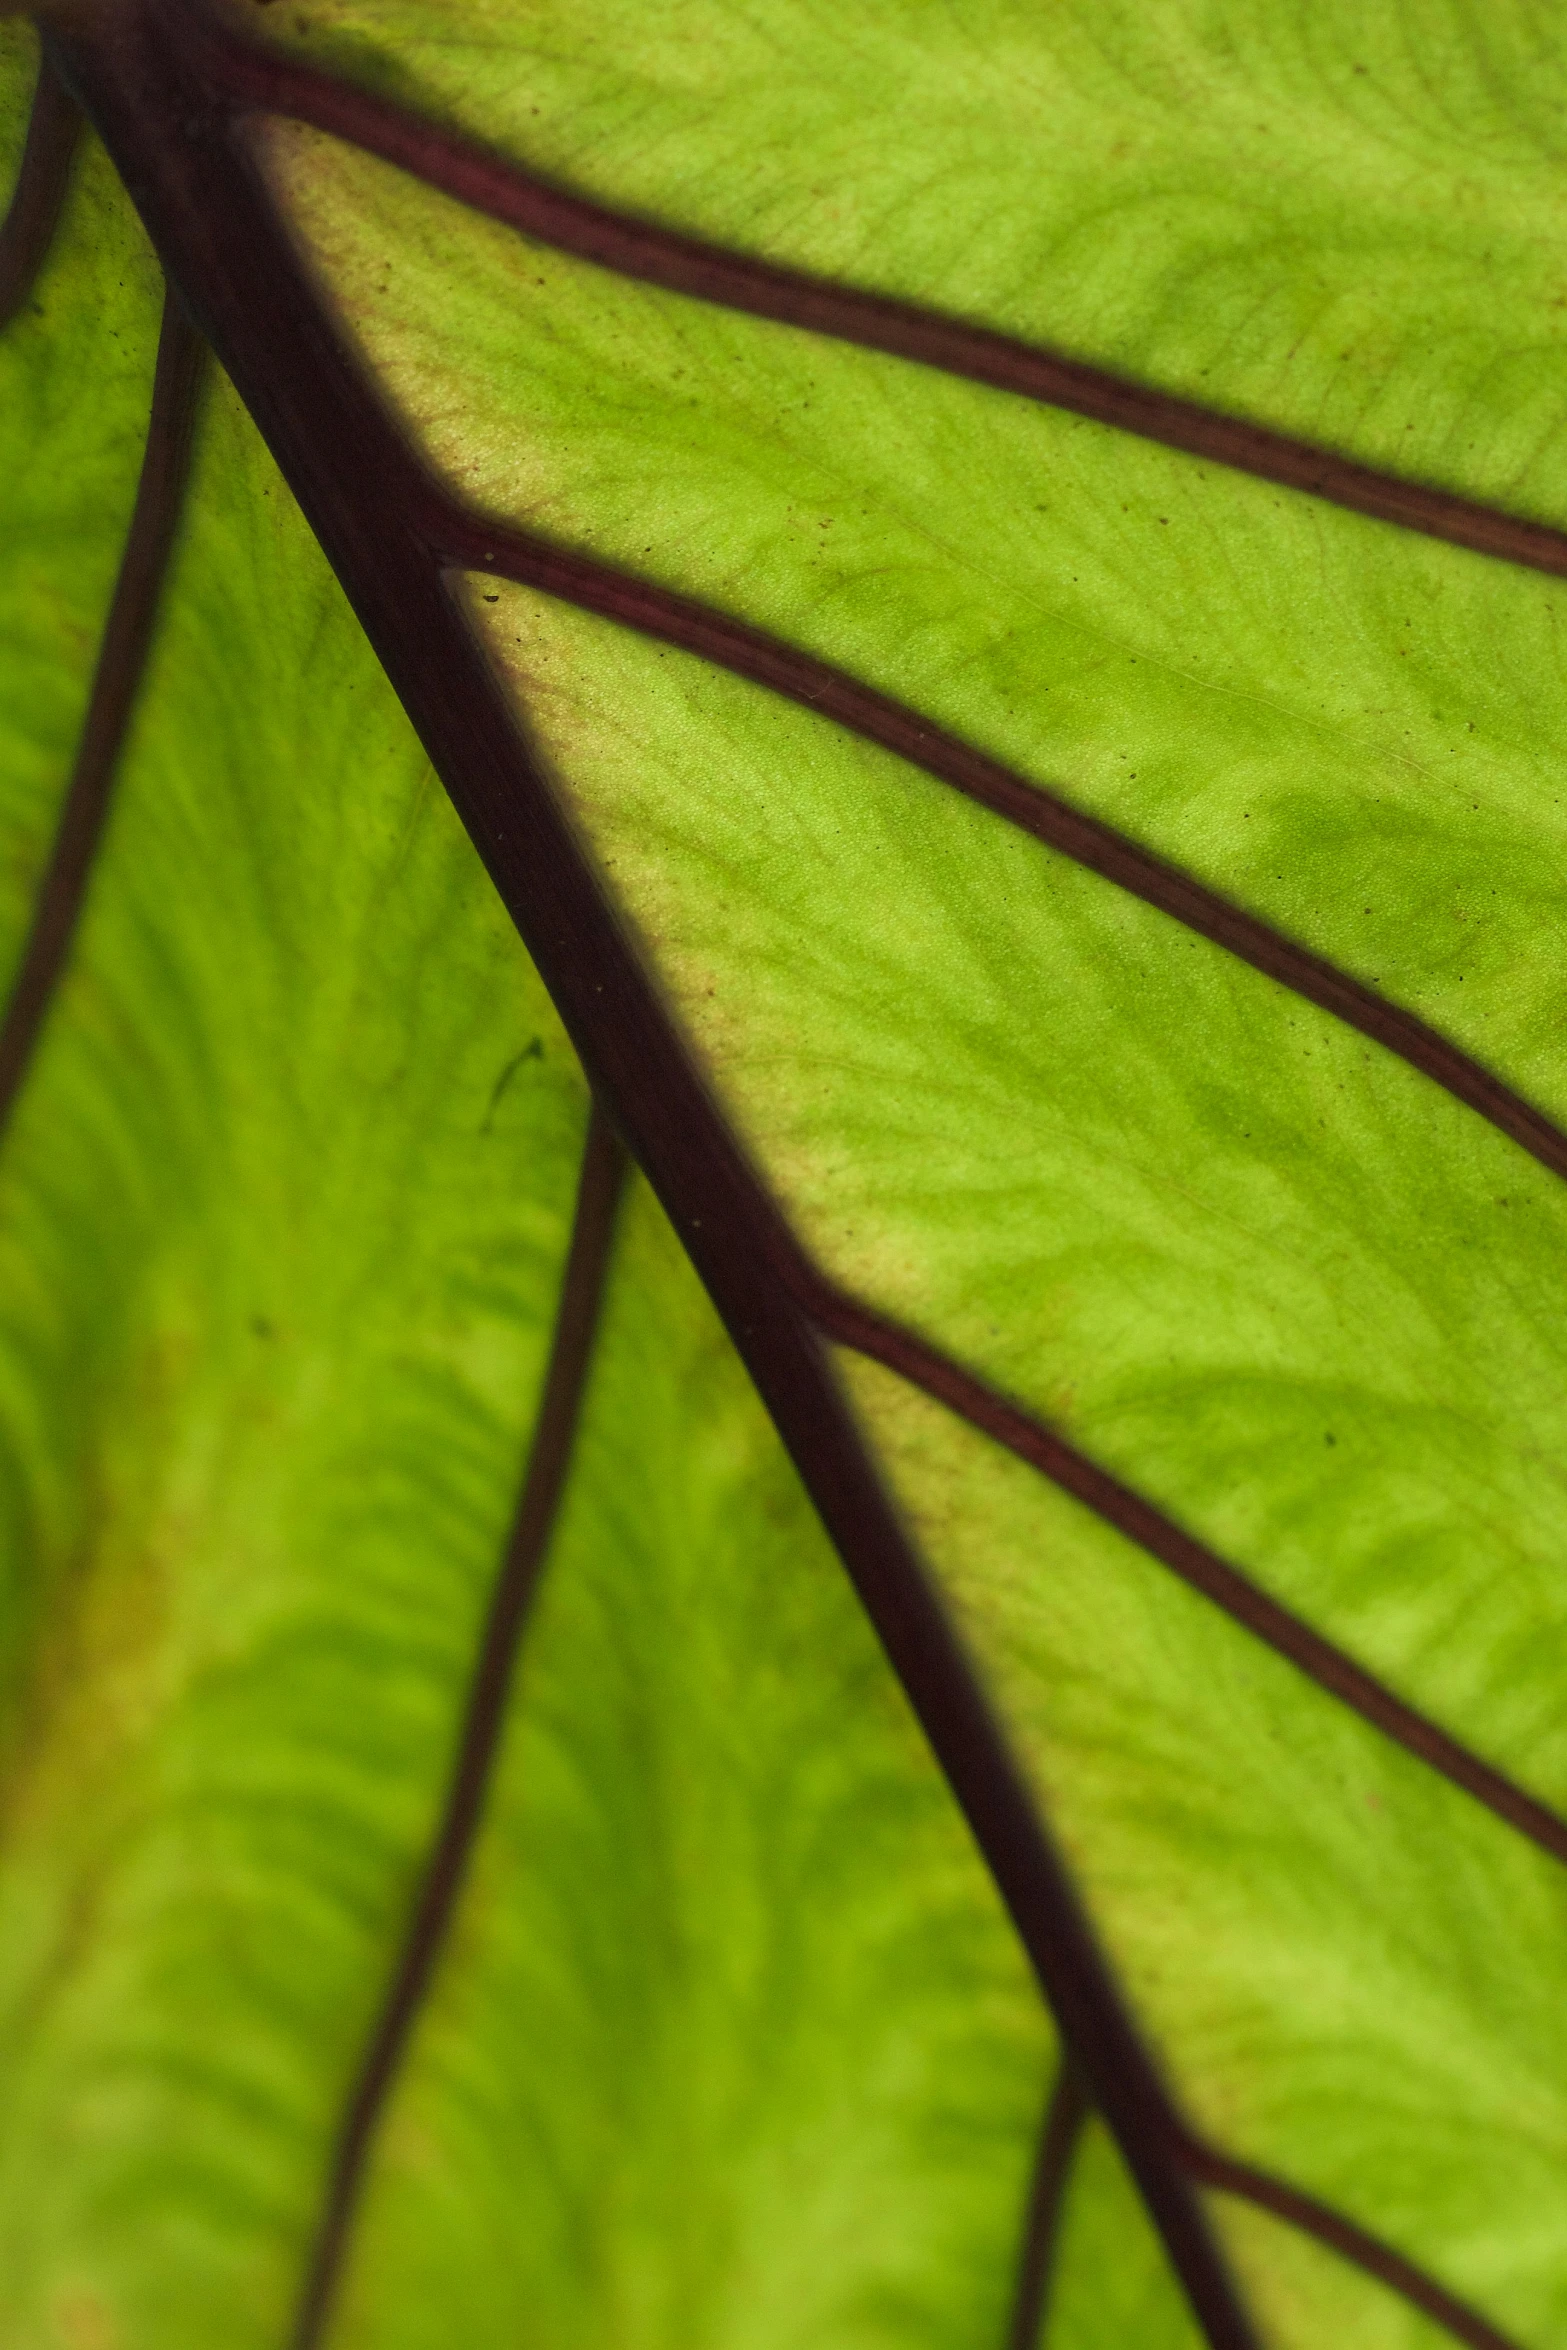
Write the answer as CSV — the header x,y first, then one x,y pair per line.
x,y
582,1290
494,184
924,1366
801,677
27,231
210,216
1065,2115
1365,2251
122,658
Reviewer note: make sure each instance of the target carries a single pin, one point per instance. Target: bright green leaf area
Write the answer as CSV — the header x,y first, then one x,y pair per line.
x,y
1248,1259
1347,728
1333,2007
733,2044
732,2047
1343,220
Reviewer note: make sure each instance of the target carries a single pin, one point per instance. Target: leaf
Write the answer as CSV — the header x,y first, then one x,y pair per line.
x,y
986,589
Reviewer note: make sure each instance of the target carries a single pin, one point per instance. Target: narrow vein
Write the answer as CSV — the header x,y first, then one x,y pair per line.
x,y
26,233
122,659
1066,2113
924,1366
582,1290
208,213
1352,2243
634,248
817,685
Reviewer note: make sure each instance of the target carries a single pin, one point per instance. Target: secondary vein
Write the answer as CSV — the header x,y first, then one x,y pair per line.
x,y
819,686
27,232
122,660
882,1340
1066,2114
254,79
600,1184
1354,2244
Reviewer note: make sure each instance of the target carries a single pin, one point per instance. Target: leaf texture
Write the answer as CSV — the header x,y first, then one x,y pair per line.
x,y
1055,891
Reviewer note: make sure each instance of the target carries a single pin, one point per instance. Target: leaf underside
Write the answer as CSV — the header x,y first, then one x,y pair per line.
x,y
986,589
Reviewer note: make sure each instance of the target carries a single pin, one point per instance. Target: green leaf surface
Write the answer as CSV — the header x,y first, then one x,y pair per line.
x,y
731,2044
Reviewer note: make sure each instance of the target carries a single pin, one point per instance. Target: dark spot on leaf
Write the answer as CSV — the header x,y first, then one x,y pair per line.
x,y
533,1050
